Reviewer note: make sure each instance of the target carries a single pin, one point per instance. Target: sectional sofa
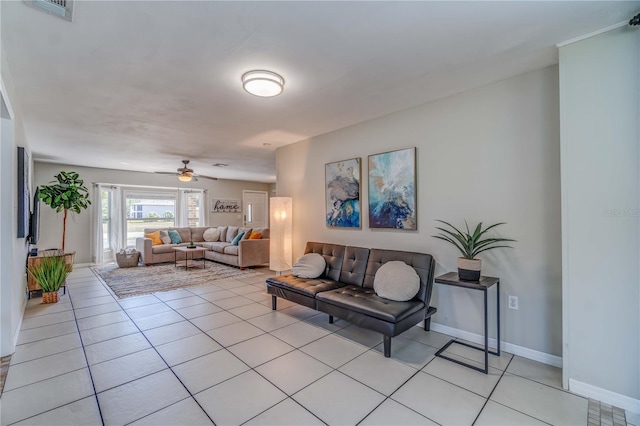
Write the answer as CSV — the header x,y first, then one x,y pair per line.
x,y
246,253
345,289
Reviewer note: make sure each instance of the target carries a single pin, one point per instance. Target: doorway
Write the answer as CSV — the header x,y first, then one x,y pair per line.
x,y
254,206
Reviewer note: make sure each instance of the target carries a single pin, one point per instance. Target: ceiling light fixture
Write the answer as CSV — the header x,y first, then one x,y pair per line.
x,y
184,178
262,83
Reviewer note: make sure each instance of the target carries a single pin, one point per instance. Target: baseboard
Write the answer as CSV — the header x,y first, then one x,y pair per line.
x,y
606,396
532,354
83,265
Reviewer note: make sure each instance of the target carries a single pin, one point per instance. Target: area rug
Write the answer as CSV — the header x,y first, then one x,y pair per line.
x,y
128,282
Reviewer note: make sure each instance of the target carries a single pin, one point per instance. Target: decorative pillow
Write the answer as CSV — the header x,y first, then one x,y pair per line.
x,y
311,265
246,231
223,233
255,236
155,238
164,236
175,237
237,239
211,234
397,281
232,231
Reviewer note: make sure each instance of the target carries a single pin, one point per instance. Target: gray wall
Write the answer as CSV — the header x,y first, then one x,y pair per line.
x,y
491,154
600,98
13,250
79,226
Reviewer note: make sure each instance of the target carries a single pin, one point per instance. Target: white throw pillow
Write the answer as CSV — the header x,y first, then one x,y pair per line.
x,y
397,281
211,234
164,236
311,265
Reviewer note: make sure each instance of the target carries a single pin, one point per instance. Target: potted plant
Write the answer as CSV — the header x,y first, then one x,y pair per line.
x,y
65,193
470,245
50,272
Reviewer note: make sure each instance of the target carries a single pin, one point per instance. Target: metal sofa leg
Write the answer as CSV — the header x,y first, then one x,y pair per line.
x,y
274,302
330,319
387,346
427,324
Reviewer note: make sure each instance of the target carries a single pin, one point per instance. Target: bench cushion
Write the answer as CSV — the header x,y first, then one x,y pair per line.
x,y
365,301
305,286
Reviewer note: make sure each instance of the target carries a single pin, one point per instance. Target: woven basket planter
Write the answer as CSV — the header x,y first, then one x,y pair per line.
x,y
50,297
127,260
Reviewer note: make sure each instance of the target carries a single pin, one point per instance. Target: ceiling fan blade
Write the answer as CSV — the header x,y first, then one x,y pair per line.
x,y
166,173
207,177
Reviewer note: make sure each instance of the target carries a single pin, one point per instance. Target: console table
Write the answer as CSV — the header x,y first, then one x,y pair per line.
x,y
483,285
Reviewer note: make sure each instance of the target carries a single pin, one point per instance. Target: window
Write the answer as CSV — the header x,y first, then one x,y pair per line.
x,y
149,210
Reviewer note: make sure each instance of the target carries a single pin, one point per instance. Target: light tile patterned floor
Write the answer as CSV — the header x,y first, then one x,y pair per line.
x,y
219,354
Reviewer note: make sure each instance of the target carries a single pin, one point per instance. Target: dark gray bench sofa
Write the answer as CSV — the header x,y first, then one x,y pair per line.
x,y
345,290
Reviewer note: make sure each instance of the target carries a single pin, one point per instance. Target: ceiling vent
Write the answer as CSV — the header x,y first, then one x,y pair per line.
x,y
60,8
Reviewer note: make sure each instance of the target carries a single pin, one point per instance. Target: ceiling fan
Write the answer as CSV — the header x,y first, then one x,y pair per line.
x,y
185,174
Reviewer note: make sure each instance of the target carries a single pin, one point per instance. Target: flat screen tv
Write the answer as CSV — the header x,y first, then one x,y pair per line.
x,y
34,222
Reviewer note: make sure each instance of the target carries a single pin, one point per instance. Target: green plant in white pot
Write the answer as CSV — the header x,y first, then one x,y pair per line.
x,y
50,273
470,245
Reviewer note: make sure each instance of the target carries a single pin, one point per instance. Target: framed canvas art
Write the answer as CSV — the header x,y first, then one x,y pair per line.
x,y
392,190
342,193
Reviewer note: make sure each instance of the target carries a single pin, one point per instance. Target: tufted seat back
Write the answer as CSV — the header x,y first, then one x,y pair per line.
x,y
354,265
333,255
422,263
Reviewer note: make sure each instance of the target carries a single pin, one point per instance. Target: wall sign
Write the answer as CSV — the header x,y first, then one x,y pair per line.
x,y
221,205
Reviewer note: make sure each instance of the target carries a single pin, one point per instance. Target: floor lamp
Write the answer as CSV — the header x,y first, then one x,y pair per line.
x,y
280,212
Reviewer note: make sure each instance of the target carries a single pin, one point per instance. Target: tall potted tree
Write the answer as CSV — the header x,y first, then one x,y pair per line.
x,y
470,245
65,193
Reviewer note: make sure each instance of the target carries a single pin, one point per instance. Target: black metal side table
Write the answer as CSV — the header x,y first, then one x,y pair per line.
x,y
483,285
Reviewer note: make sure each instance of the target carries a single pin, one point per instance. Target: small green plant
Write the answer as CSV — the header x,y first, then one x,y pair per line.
x,y
50,272
470,245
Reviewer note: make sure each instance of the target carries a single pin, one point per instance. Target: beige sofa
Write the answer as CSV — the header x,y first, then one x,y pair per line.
x,y
246,253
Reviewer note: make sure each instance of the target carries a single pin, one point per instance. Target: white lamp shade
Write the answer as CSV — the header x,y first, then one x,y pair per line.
x,y
280,233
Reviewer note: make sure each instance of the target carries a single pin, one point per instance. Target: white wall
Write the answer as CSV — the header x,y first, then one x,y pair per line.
x,y
489,154
600,110
13,250
79,226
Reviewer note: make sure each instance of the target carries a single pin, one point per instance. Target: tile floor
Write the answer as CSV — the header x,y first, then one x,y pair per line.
x,y
217,354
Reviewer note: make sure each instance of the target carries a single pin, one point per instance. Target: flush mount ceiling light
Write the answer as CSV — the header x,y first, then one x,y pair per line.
x,y
262,83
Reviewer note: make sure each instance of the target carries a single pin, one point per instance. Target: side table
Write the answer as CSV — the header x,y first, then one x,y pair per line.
x,y
483,285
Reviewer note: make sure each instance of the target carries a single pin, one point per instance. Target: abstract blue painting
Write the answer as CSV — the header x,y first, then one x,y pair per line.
x,y
392,190
342,191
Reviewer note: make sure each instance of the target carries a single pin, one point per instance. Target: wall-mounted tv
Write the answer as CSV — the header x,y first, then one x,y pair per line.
x,y
34,222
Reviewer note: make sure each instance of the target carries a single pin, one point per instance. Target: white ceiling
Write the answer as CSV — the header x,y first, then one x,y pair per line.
x,y
142,85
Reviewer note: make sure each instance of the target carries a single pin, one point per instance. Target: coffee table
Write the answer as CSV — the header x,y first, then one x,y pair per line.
x,y
193,261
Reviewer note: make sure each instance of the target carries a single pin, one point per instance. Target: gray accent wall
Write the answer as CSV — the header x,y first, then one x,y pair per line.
x,y
490,154
600,110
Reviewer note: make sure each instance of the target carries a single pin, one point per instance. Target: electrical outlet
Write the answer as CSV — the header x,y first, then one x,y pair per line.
x,y
513,302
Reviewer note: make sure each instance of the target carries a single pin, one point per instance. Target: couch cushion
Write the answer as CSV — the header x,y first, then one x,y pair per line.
x,y
164,236
217,246
333,255
263,231
185,234
366,301
397,281
211,234
155,238
311,265
307,287
223,233
237,238
165,248
354,265
231,249
197,233
175,236
232,231
247,232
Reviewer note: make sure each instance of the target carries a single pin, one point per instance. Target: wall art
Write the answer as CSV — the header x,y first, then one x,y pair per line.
x,y
220,205
342,193
392,190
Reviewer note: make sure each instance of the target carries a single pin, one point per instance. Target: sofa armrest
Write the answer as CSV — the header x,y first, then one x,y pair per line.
x,y
145,247
253,252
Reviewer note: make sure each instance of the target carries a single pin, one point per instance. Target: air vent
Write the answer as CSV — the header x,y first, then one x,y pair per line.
x,y
60,8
